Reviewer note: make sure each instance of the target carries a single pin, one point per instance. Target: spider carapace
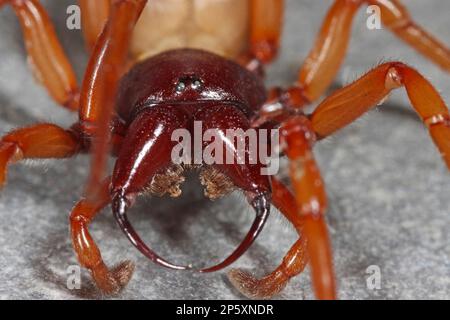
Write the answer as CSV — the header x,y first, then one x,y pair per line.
x,y
132,101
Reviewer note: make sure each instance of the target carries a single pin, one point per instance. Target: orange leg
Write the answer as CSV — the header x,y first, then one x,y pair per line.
x,y
44,141
349,103
311,201
324,60
395,16
337,111
109,281
41,141
47,58
293,263
106,66
266,23
321,65
95,14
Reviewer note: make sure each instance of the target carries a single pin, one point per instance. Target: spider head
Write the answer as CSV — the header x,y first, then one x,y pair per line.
x,y
188,77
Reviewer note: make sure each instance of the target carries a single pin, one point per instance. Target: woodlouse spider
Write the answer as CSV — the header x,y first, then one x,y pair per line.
x,y
129,105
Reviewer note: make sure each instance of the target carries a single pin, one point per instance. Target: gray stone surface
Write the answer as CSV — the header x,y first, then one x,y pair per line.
x,y
388,189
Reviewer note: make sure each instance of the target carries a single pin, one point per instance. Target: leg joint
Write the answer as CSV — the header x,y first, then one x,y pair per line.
x,y
442,118
14,151
77,216
394,78
298,133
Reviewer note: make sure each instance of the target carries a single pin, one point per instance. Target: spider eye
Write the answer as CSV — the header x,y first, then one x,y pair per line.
x,y
197,84
181,86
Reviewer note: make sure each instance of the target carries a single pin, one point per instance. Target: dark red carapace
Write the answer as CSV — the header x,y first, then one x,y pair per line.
x,y
133,113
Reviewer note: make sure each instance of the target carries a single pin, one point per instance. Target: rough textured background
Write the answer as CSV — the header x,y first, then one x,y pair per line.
x,y
388,189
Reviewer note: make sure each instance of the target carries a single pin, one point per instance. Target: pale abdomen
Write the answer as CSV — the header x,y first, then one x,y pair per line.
x,y
219,26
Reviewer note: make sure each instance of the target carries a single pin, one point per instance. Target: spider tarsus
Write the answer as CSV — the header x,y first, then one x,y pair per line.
x,y
254,288
123,272
111,282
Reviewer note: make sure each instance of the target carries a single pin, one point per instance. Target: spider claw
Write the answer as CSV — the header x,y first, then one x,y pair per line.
x,y
119,207
261,204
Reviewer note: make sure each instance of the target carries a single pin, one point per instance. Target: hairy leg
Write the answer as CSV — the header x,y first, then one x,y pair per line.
x,y
309,189
49,63
325,59
105,67
321,65
48,141
396,17
294,261
349,103
335,112
109,281
40,141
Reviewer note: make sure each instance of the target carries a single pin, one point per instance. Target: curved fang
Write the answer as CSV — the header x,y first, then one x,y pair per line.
x,y
261,204
119,207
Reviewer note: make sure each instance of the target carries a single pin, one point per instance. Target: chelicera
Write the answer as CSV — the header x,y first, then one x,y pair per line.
x,y
131,106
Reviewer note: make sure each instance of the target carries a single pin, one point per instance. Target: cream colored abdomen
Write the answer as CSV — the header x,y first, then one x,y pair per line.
x,y
219,26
